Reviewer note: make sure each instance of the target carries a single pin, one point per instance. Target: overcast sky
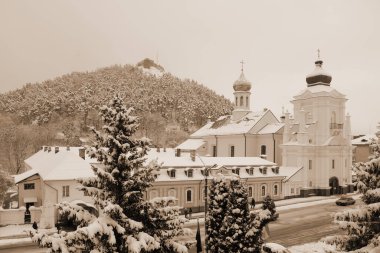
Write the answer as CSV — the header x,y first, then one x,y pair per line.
x,y
204,41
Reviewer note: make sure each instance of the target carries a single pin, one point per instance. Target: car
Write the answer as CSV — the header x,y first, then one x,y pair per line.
x,y
345,200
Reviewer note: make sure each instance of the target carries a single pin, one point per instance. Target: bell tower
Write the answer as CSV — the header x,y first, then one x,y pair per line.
x,y
242,93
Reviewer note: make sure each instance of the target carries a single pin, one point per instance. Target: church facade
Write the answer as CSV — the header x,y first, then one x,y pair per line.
x,y
318,137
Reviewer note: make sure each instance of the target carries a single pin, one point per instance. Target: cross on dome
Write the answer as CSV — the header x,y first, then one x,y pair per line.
x,y
242,65
319,53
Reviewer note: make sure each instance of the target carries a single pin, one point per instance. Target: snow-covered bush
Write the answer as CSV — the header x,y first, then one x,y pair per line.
x,y
127,222
268,204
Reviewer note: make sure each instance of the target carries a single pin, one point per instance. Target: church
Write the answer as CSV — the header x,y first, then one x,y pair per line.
x,y
316,137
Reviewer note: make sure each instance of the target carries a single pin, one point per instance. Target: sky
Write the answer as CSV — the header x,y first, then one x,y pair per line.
x,y
204,41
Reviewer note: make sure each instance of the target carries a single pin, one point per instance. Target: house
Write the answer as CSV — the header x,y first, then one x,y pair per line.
x,y
362,147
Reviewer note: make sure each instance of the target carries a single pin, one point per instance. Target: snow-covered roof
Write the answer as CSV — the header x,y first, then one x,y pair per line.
x,y
63,165
168,159
364,140
317,89
271,128
289,171
226,126
191,144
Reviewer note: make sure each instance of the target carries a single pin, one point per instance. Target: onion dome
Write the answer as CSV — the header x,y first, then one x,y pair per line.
x,y
242,84
319,76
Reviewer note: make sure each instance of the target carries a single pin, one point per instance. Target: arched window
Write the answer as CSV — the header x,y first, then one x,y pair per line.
x,y
153,194
263,150
172,193
246,101
333,117
189,195
232,151
241,101
236,101
250,191
275,190
263,190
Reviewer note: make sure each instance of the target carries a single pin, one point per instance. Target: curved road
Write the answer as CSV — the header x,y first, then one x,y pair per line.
x,y
295,226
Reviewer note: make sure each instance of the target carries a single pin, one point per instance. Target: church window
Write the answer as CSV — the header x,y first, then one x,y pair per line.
x,y
214,151
263,190
189,195
232,151
263,150
333,164
310,164
246,101
241,101
275,190
333,117
236,101
250,191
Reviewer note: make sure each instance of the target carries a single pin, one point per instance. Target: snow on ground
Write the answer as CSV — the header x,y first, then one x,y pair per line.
x,y
12,231
314,247
12,243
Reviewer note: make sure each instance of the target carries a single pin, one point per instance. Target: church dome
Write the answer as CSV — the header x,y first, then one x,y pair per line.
x,y
318,76
242,84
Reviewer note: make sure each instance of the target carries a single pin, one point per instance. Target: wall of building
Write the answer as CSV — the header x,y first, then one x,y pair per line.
x,y
16,216
361,153
36,192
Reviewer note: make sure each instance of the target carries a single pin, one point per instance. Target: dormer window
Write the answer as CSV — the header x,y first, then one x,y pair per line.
x,y
250,171
171,173
275,170
189,172
263,170
236,171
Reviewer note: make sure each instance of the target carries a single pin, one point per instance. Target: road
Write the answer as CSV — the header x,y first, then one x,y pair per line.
x,y
295,226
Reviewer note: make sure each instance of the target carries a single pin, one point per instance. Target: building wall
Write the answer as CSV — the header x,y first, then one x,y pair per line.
x,y
36,192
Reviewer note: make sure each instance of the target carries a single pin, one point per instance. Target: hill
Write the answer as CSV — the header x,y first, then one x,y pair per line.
x,y
69,104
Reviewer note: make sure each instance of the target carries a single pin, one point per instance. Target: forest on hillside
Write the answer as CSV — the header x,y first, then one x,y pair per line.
x,y
60,111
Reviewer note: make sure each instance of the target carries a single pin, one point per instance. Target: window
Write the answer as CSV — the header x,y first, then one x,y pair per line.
x,y
153,194
333,164
275,189
236,171
214,151
250,170
189,195
246,101
236,101
232,151
171,173
189,172
310,164
263,170
65,191
241,101
29,186
250,191
292,191
275,170
263,150
263,190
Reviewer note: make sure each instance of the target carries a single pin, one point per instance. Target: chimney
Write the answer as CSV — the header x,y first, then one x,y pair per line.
x,y
192,155
82,153
45,148
49,149
178,152
56,150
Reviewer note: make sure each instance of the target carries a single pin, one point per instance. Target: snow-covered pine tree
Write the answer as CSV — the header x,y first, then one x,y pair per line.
x,y
254,235
362,223
217,209
127,222
237,217
268,204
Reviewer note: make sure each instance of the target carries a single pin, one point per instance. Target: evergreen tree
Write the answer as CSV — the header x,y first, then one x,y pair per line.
x,y
268,204
231,227
217,209
362,224
237,217
127,223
